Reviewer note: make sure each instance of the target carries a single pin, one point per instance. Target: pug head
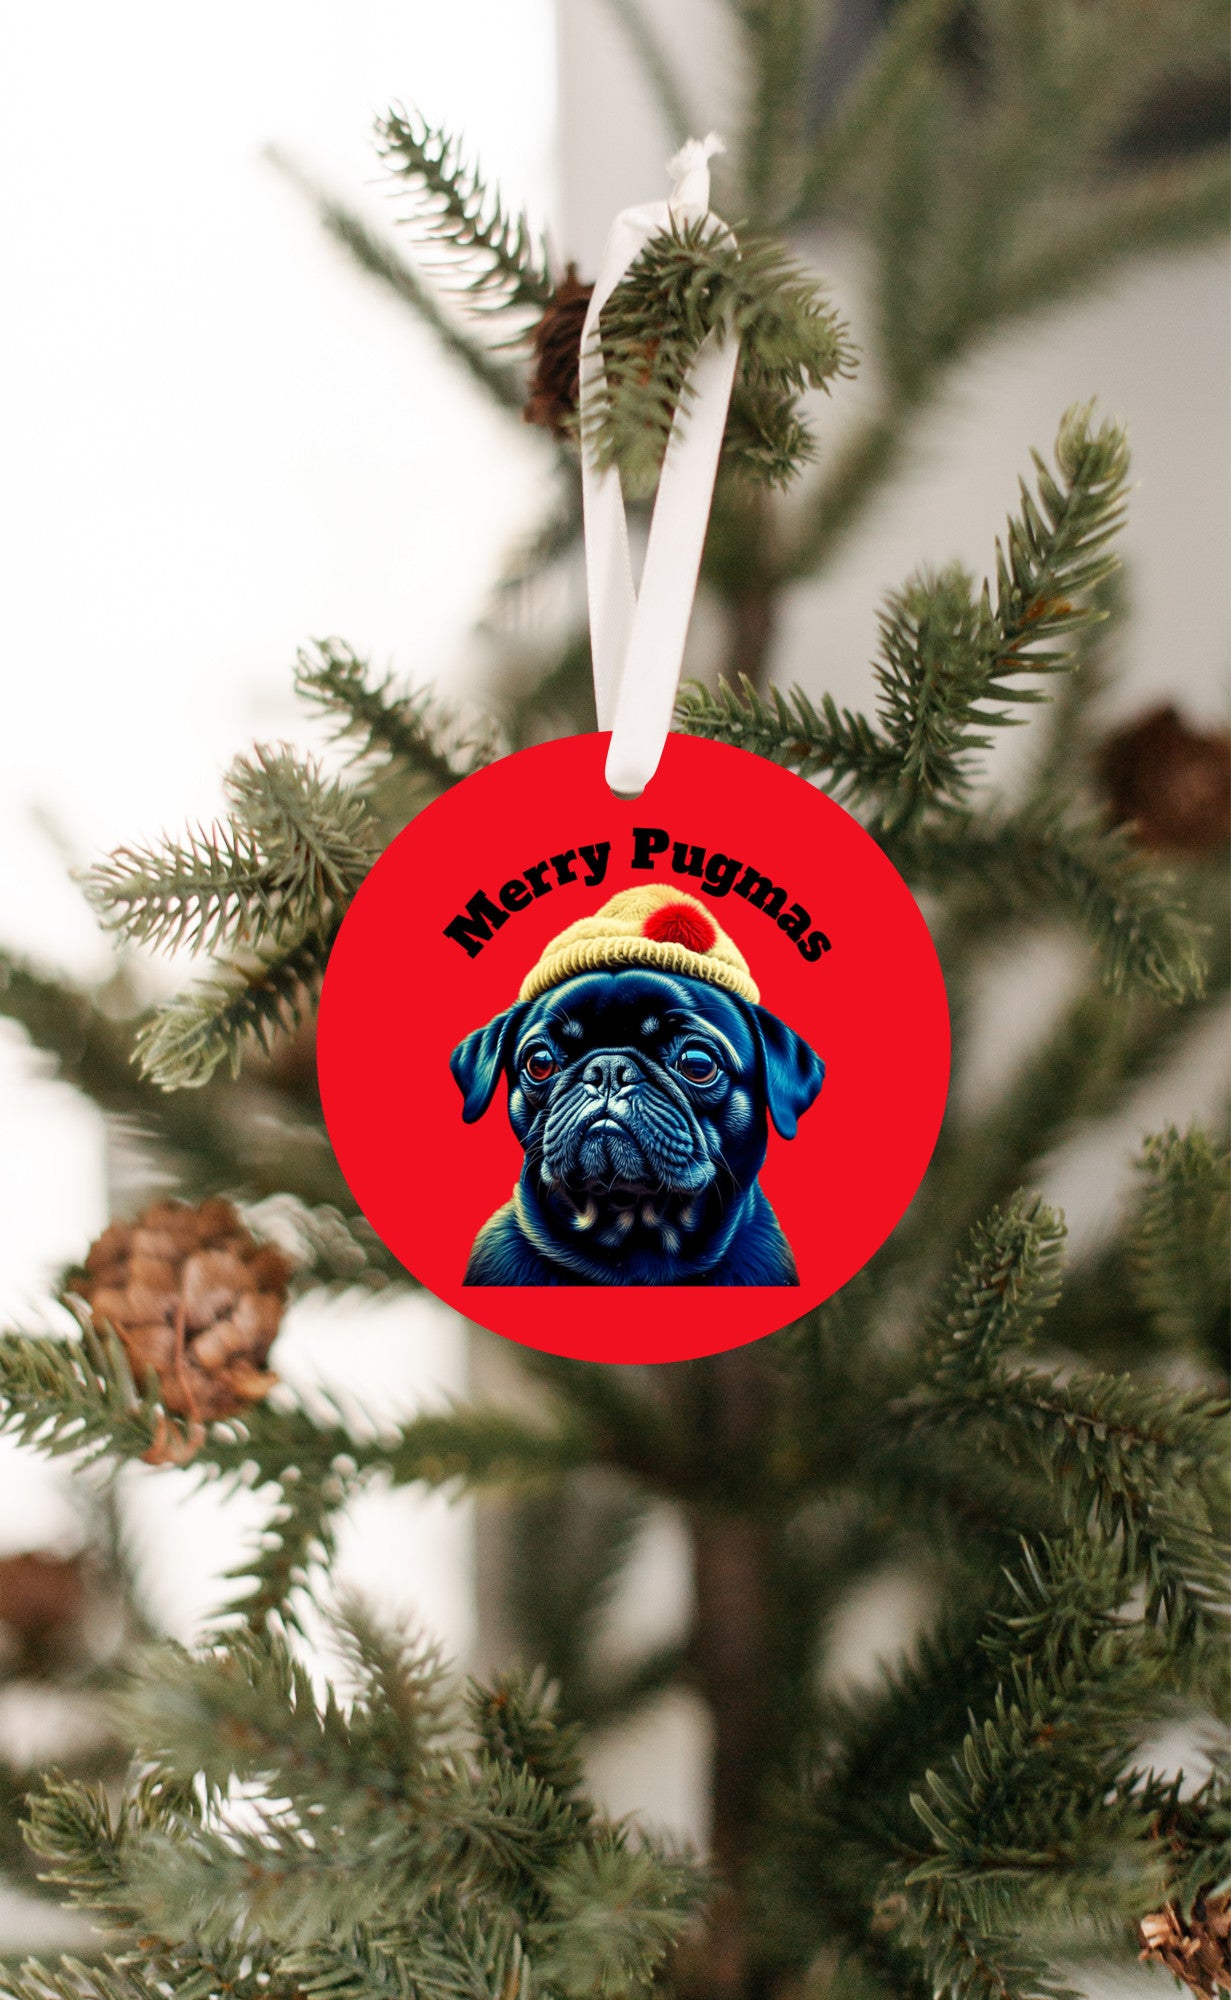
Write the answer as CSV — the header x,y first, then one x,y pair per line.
x,y
643,1101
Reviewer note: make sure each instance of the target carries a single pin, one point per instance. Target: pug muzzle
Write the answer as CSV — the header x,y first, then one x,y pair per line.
x,y
642,1100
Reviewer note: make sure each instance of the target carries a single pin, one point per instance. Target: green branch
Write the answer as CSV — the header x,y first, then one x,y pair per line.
x,y
255,999
1032,865
420,737
690,282
496,260
296,846
381,260
864,112
73,1397
387,1833
1005,1286
1178,1253
950,661
780,38
945,655
1133,1463
1163,208
789,729
657,68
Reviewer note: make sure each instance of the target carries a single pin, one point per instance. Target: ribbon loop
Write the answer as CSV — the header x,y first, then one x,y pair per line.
x,y
637,638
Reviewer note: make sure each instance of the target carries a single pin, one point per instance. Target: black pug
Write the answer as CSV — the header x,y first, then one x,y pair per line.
x,y
641,1099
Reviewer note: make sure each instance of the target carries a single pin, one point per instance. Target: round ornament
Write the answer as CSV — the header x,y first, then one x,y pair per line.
x,y
633,1079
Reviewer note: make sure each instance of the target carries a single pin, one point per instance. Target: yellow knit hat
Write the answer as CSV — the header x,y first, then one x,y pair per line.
x,y
654,926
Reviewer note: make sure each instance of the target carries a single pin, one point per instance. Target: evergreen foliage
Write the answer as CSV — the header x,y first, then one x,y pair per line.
x,y
493,255
1034,1435
405,1843
689,283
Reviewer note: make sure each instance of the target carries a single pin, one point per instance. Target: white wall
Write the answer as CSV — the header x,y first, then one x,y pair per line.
x,y
219,441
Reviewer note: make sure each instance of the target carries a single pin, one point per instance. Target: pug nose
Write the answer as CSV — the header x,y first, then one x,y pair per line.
x,y
609,1074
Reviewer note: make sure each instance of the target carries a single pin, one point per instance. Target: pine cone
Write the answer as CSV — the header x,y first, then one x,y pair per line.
x,y
1196,1949
554,385
1172,782
40,1594
197,1300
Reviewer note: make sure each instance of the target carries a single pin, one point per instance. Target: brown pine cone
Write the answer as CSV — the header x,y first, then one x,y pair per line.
x,y
1196,1949
1172,782
554,385
39,1593
197,1300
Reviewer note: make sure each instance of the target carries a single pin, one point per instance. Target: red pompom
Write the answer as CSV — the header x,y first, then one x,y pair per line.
x,y
680,923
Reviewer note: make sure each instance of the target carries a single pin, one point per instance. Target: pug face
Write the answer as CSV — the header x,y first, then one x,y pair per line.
x,y
642,1100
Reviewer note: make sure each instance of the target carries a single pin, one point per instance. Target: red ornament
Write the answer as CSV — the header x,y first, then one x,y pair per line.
x,y
680,923
468,903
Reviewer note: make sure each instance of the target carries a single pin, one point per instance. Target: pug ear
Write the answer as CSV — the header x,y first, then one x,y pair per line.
x,y
477,1062
794,1072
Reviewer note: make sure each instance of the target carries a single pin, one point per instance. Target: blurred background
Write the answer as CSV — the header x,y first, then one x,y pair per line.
x,y
221,441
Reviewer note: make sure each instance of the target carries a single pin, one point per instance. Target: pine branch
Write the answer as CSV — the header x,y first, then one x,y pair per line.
x,y
616,1911
256,998
1162,208
1033,865
448,1954
382,1834
685,284
479,1447
780,37
196,893
867,108
72,1978
790,730
331,1251
314,831
964,1961
1191,1829
555,537
1178,1253
946,656
380,259
296,846
517,1722
77,1397
73,1396
984,205
1134,1463
551,697
657,69
851,1819
413,736
1098,1048
247,1709
567,1548
298,1535
853,472
914,196
492,255
950,661
1037,1816
207,1139
615,1699
632,1424
1006,1285
1033,1811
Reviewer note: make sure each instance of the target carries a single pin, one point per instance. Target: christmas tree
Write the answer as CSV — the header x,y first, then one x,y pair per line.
x,y
1038,1435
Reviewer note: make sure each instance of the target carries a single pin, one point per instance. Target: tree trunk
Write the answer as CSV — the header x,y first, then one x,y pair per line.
x,y
732,1640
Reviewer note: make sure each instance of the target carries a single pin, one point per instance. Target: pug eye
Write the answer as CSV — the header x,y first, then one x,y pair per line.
x,y
696,1065
539,1065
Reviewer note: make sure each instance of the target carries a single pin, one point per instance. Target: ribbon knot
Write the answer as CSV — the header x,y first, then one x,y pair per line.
x,y
637,637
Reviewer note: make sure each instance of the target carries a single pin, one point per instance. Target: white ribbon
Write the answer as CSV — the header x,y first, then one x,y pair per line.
x,y
637,638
